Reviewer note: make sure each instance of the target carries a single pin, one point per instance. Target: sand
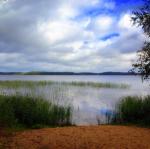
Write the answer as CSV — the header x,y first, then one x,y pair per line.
x,y
81,137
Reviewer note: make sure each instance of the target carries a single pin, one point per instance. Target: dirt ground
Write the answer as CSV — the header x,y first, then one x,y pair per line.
x,y
86,137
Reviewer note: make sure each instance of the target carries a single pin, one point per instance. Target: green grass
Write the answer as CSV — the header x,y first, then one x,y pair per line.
x,y
32,84
28,84
99,85
133,110
30,112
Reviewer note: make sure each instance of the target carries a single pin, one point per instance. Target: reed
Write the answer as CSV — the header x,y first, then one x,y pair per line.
x,y
135,110
31,112
32,84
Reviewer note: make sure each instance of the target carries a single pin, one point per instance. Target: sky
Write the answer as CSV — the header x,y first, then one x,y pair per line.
x,y
68,35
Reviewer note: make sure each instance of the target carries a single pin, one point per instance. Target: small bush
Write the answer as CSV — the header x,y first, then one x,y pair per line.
x,y
30,112
133,110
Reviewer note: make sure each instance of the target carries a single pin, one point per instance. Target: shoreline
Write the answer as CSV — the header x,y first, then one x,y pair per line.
x,y
78,137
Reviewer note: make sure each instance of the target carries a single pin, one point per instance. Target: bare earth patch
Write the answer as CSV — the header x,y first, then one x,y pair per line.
x,y
84,137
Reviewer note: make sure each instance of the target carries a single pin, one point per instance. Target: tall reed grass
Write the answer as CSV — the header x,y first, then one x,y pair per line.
x,y
31,84
134,110
26,111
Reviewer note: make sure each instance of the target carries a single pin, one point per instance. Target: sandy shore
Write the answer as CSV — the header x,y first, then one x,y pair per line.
x,y
86,137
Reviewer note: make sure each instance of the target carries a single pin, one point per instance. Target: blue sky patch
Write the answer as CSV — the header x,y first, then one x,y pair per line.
x,y
109,36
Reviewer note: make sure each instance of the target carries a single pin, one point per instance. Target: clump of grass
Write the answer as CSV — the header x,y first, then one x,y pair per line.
x,y
134,110
26,111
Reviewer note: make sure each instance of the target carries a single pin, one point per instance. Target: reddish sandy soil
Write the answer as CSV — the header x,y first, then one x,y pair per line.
x,y
87,137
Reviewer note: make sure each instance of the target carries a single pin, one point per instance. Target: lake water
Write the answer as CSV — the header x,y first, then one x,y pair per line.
x,y
89,104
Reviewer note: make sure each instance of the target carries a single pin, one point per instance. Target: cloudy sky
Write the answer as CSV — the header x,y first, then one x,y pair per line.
x,y
68,35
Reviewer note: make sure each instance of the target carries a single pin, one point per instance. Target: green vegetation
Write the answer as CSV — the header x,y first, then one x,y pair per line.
x,y
24,104
133,110
98,85
30,112
141,17
19,84
32,84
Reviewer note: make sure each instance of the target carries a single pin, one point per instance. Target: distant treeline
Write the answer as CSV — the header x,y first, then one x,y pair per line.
x,y
67,73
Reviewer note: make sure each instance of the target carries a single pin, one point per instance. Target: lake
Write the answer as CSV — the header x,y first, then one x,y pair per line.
x,y
89,104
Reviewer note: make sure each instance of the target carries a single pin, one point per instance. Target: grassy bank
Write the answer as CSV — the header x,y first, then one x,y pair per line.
x,y
26,111
32,84
133,110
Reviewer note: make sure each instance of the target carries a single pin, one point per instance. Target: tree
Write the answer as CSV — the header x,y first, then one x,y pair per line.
x,y
141,17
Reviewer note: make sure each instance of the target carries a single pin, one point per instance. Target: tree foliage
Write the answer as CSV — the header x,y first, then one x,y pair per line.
x,y
141,17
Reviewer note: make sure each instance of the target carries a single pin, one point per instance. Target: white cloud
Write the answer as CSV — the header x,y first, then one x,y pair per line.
x,y
103,25
51,37
67,11
125,21
103,22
